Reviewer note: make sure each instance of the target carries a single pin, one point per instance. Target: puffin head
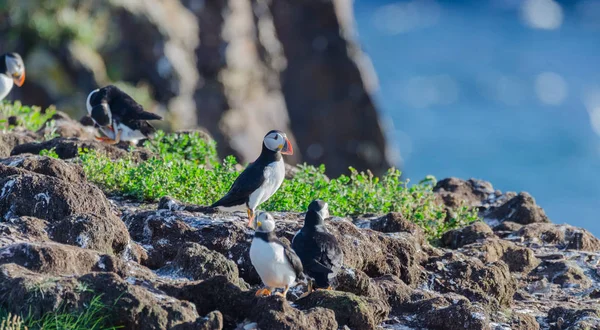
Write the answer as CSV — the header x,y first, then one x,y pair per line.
x,y
321,207
101,115
277,141
263,223
15,68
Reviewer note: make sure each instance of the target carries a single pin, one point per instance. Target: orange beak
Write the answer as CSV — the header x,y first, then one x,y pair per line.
x,y
19,79
287,148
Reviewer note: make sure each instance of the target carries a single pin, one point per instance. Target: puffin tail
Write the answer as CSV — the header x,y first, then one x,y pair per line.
x,y
148,116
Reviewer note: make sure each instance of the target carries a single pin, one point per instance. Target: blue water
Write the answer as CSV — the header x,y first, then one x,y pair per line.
x,y
469,89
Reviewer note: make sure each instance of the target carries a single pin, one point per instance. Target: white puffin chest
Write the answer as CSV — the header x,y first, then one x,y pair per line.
x,y
274,174
6,84
271,264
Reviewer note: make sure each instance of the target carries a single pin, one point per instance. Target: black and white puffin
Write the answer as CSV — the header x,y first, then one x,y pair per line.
x,y
276,264
12,71
317,248
261,179
119,116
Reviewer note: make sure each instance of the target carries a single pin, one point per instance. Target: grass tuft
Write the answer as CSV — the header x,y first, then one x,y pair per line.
x,y
187,169
30,118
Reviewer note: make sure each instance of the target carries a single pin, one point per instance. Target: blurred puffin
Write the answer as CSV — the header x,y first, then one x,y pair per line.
x,y
318,249
118,115
261,179
276,264
12,70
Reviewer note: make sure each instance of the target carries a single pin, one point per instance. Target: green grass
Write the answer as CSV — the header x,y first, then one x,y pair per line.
x,y
30,118
187,169
95,316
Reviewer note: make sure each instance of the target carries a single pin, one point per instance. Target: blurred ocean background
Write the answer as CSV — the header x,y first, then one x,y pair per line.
x,y
502,90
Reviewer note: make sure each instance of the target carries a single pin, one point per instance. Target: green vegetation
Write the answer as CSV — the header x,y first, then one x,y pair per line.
x,y
187,169
95,316
30,118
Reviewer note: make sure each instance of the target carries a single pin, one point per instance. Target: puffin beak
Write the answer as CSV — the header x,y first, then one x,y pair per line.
x,y
287,148
110,127
19,79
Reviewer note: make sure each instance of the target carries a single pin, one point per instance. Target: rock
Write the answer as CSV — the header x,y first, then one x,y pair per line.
x,y
49,198
524,321
59,259
466,235
506,228
199,263
520,209
351,310
22,229
132,306
398,294
459,316
394,222
67,148
565,236
212,321
215,293
574,319
62,125
275,313
12,139
565,273
355,281
454,191
104,234
372,252
491,284
518,259
46,165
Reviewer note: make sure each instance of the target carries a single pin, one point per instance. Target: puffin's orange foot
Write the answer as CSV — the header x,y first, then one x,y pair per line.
x,y
262,292
325,289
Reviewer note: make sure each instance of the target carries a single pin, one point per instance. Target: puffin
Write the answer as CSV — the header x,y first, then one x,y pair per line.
x,y
276,264
12,71
317,248
261,179
119,116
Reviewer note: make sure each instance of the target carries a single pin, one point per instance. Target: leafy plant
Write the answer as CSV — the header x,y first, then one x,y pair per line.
x,y
31,118
186,168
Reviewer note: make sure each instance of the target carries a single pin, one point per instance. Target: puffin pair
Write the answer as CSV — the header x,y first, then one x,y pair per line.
x,y
119,116
315,252
261,179
12,71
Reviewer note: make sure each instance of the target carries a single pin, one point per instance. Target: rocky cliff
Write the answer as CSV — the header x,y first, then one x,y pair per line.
x,y
239,68
167,265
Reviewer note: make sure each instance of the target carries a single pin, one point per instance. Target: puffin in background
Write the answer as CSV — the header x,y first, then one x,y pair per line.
x,y
12,71
317,248
119,116
261,179
276,264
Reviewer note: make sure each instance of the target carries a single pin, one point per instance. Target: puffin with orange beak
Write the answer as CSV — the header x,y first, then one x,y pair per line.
x,y
12,71
261,179
119,116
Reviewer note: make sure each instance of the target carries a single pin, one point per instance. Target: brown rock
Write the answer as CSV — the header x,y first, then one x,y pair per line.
x,y
351,310
520,209
524,321
565,273
10,140
199,263
276,313
470,234
394,222
49,198
22,229
454,191
518,259
459,316
46,166
59,259
104,234
62,125
565,236
573,319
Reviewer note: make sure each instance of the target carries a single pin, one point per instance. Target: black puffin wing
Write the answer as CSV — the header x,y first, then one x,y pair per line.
x,y
331,253
294,260
123,107
241,189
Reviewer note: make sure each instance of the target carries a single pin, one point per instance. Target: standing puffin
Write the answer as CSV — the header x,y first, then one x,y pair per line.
x,y
12,70
261,179
118,115
318,249
276,264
